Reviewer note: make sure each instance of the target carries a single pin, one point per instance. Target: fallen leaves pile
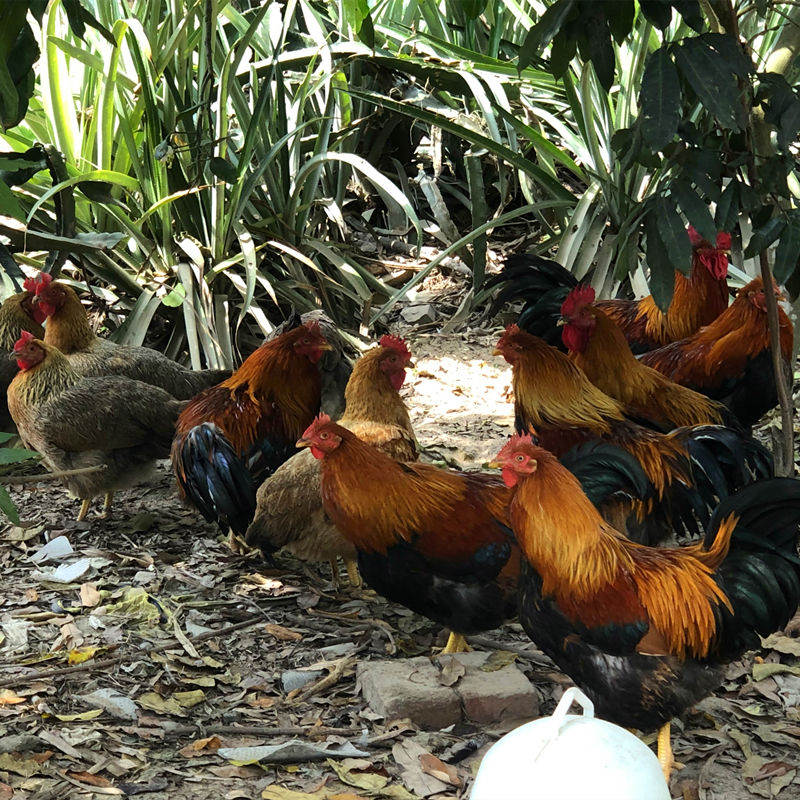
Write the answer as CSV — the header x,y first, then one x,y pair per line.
x,y
139,655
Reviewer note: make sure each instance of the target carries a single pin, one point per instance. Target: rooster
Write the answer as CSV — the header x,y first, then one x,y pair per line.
x,y
289,511
690,468
729,360
696,300
68,330
646,632
437,540
233,435
118,425
17,314
596,344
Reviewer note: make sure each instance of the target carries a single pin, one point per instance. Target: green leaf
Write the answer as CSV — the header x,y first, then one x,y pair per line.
x,y
13,455
712,80
176,297
657,11
662,272
7,506
620,18
731,51
9,205
223,169
788,250
6,437
694,209
660,100
473,8
727,207
544,31
690,11
764,236
673,234
601,52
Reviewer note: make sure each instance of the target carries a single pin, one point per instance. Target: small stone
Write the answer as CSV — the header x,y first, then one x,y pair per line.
x,y
420,312
409,688
297,678
497,696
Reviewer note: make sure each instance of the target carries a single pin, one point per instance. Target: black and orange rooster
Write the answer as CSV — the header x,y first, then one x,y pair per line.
x,y
646,632
690,468
696,300
231,436
729,359
596,344
438,540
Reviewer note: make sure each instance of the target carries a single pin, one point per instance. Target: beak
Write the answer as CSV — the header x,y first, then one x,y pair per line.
x,y
302,443
410,365
497,352
495,465
326,346
560,322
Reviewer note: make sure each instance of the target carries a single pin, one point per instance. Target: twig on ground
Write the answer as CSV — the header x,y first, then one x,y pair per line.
x,y
51,476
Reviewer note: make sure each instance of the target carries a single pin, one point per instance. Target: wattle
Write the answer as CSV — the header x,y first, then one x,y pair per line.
x,y
397,379
316,452
510,477
575,337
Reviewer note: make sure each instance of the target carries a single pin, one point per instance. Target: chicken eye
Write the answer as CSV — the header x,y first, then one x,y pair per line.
x,y
519,458
324,435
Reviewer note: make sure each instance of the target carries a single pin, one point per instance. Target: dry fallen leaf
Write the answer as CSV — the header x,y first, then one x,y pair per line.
x,y
10,698
90,597
201,747
283,634
88,777
80,654
452,670
441,771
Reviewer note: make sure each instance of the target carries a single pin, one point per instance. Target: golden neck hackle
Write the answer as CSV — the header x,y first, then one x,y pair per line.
x,y
370,396
68,328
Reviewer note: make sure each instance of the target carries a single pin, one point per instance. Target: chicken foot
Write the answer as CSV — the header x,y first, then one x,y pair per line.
x,y
456,643
84,509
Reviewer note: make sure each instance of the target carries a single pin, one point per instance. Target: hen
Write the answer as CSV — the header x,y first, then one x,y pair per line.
x,y
596,344
696,300
436,540
68,330
646,632
729,360
17,314
289,511
232,436
690,468
113,423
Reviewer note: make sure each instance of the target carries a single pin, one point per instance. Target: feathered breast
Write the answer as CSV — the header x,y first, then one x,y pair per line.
x,y
376,502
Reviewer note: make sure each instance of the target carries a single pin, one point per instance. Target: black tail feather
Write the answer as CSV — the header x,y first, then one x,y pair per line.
x,y
606,470
215,479
761,574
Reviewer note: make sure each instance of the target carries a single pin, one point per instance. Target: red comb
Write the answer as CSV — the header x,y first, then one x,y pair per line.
x,y
395,343
24,338
694,237
579,297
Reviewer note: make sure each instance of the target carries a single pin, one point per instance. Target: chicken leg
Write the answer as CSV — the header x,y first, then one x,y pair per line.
x,y
84,509
665,757
107,504
456,643
352,573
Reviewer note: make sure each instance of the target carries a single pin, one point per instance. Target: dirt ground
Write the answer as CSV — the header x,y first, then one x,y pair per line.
x,y
160,654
